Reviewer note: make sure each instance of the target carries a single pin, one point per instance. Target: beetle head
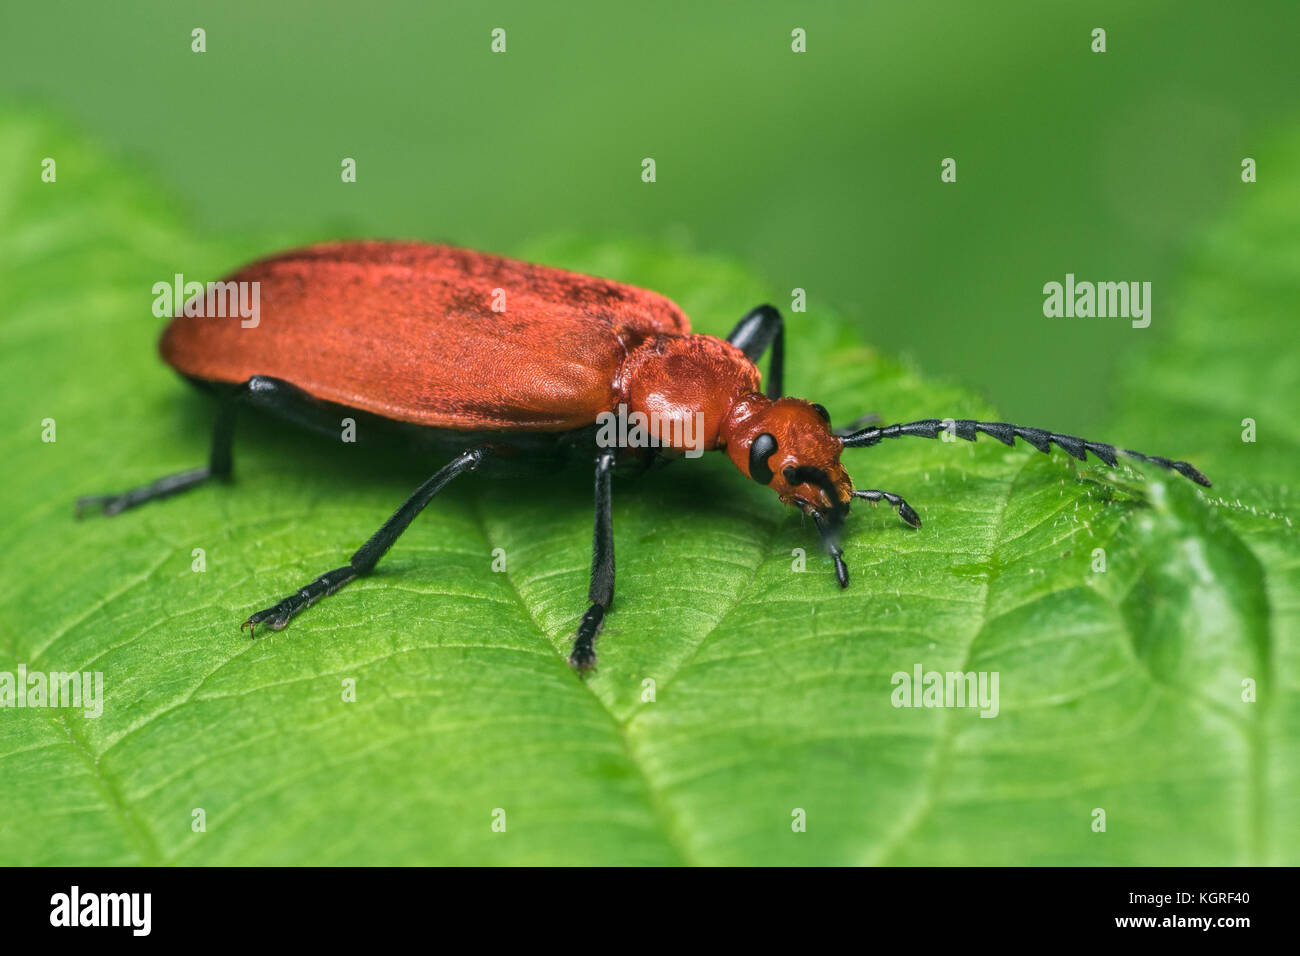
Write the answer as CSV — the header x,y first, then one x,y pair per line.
x,y
787,445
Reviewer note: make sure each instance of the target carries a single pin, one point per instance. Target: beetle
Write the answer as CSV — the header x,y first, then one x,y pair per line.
x,y
405,336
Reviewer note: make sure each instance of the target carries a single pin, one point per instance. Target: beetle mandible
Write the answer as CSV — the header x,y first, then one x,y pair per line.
x,y
404,334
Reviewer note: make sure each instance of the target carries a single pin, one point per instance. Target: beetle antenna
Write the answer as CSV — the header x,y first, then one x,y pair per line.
x,y
968,429
862,421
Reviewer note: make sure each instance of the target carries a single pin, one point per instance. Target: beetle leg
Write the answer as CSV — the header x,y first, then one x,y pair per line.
x,y
904,509
368,555
827,533
760,328
258,390
601,592
218,466
969,429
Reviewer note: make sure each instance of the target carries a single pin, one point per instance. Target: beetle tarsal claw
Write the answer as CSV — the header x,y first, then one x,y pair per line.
x,y
275,618
582,662
875,496
583,657
827,530
841,571
107,505
88,503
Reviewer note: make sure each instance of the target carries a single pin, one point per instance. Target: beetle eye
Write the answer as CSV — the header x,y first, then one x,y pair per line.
x,y
760,450
821,410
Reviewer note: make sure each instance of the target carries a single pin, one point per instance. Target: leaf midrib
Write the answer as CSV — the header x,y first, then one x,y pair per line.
x,y
654,803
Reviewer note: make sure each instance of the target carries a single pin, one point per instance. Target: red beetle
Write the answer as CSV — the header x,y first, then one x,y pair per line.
x,y
405,334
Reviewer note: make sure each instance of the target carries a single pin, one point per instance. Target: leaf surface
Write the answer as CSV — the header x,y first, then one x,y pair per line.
x,y
736,695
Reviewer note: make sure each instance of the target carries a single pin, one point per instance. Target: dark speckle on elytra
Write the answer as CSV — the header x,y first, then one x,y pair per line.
x,y
462,303
588,294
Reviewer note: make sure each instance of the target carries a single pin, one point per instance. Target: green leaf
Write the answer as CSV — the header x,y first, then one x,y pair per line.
x,y
1224,384
772,689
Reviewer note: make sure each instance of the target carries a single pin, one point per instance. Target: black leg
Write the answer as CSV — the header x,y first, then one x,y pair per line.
x,y
601,593
827,532
259,390
968,429
218,466
368,555
904,509
760,328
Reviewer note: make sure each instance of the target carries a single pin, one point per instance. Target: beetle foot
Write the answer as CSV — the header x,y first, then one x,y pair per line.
x,y
164,487
583,658
278,615
108,505
273,617
875,496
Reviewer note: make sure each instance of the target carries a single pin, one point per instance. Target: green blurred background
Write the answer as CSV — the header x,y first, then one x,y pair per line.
x,y
821,170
